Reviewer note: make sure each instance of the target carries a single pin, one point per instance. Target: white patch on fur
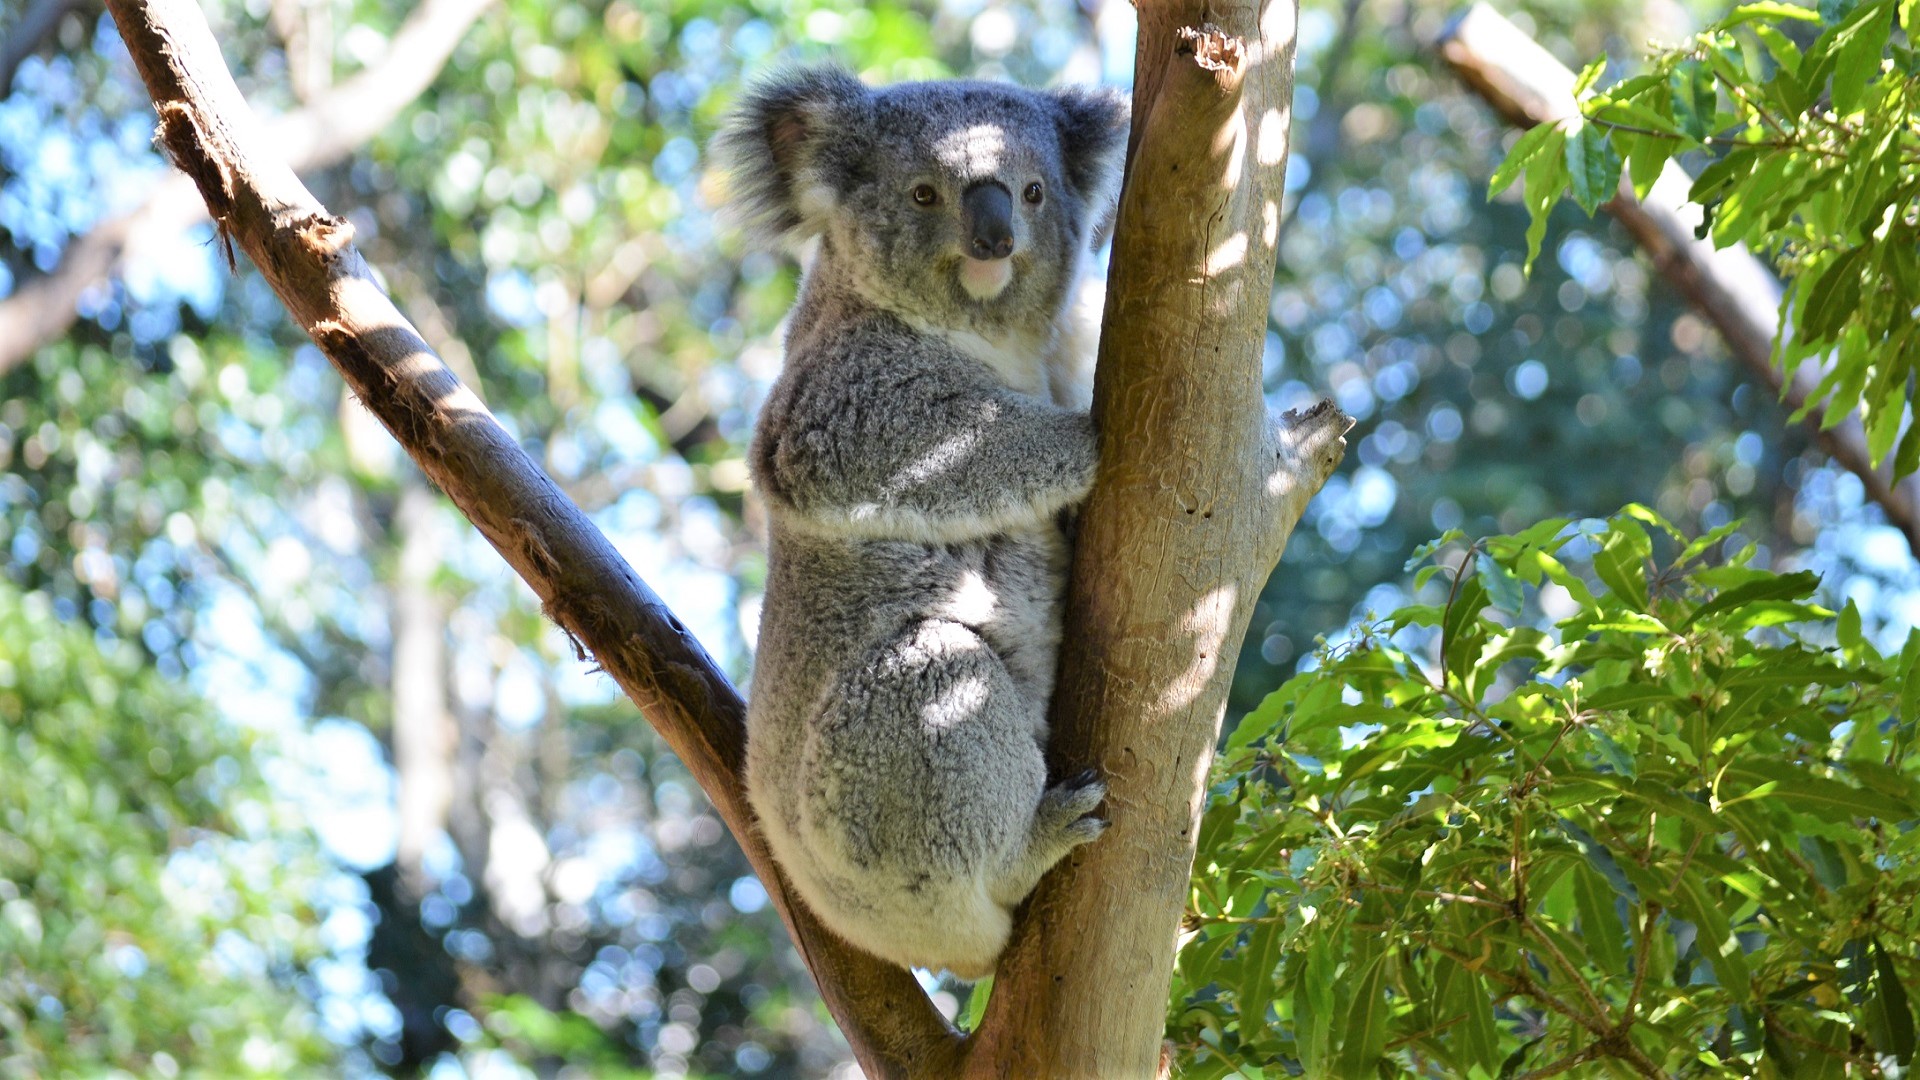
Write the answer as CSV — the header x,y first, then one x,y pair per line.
x,y
972,602
1018,359
955,705
815,202
950,452
976,150
985,279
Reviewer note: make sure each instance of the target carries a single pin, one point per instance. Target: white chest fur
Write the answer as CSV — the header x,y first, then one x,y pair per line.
x,y
1020,360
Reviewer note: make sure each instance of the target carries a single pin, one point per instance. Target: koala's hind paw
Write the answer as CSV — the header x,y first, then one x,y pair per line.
x,y
1066,809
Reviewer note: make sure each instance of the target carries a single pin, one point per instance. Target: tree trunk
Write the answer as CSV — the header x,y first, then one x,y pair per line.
x,y
1197,492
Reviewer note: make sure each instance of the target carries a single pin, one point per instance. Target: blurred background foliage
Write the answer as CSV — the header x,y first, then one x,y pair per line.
x,y
466,854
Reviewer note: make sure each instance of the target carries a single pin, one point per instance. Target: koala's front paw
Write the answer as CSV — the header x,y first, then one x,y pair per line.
x,y
1066,810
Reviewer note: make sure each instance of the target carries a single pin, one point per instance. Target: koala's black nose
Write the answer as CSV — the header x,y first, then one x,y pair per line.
x,y
988,209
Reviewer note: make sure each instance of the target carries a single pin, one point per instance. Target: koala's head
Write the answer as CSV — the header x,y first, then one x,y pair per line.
x,y
961,202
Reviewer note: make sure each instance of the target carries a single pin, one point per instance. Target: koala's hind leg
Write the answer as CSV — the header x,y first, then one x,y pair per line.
x,y
1063,821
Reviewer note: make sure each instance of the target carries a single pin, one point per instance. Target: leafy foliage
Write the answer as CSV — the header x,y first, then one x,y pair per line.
x,y
1807,121
1676,833
152,914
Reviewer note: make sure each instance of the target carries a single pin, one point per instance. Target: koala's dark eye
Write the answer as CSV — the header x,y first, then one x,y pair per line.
x,y
1034,194
924,195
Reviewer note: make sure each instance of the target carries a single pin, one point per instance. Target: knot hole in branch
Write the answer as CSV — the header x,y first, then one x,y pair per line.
x,y
1213,50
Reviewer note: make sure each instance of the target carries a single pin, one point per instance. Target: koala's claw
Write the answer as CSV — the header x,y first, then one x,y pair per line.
x,y
1087,828
1067,807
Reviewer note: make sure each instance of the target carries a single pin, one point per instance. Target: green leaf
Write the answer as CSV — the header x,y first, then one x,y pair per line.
x,y
1833,297
1463,993
1601,860
1503,589
1529,146
1608,112
1857,53
1717,177
1256,963
1910,677
1646,158
1779,46
1818,795
976,1004
1593,166
1693,98
1716,940
1746,202
1700,544
1891,1003
1600,925
1199,960
1622,560
1313,1006
1612,753
1767,9
1589,75
1463,633
1546,179
1365,1030
1773,587
1630,695
1906,460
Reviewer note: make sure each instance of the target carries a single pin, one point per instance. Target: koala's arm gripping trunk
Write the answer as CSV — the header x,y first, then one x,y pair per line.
x,y
919,453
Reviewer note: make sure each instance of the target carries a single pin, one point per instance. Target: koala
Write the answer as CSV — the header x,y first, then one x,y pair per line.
x,y
917,457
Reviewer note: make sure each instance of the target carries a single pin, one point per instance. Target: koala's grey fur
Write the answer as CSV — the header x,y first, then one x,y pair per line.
x,y
916,457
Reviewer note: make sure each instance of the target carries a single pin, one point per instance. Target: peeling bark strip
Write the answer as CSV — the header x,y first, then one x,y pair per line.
x,y
1733,289
180,134
307,255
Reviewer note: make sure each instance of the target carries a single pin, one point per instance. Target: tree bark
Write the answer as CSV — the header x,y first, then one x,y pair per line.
x,y
1732,288
1197,492
316,136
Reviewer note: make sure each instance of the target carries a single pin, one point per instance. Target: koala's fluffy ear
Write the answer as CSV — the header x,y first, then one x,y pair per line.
x,y
1093,138
787,150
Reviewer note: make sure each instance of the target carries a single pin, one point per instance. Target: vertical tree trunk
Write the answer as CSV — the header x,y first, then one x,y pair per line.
x,y
1197,491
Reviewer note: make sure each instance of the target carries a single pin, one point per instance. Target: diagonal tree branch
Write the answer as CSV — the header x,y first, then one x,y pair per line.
x,y
315,136
1730,286
306,254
